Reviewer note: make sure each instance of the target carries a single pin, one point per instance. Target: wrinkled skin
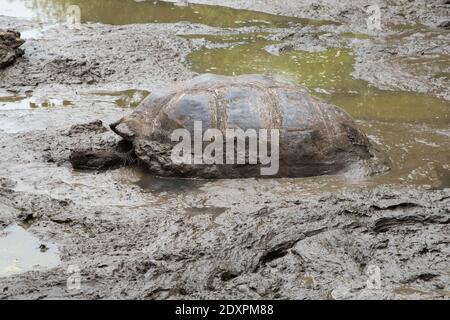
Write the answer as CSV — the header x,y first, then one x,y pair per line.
x,y
315,138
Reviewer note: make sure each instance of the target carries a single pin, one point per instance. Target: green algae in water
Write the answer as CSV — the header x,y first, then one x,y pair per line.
x,y
328,75
252,58
120,12
355,35
408,290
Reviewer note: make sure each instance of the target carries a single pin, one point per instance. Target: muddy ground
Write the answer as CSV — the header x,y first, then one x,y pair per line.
x,y
134,236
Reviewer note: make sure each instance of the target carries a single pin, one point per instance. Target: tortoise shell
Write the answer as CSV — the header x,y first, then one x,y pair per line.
x,y
316,138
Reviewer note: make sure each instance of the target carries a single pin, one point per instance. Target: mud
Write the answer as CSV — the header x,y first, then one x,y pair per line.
x,y
136,236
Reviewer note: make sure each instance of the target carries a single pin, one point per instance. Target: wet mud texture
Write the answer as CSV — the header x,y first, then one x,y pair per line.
x,y
225,239
132,55
209,242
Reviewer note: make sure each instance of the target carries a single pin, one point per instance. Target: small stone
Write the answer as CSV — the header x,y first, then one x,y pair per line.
x,y
9,47
444,25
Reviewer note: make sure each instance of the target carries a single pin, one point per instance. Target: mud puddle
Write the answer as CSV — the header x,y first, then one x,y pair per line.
x,y
120,12
123,99
15,102
328,74
167,186
20,252
105,221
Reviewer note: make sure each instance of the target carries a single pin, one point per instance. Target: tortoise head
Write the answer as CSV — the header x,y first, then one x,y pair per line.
x,y
141,121
129,127
122,129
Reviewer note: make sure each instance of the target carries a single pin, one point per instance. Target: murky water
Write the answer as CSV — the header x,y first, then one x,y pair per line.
x,y
124,99
20,252
167,185
15,102
119,12
328,74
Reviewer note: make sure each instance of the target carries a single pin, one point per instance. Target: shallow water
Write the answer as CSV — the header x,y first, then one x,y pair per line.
x,y
20,251
326,73
119,12
166,185
17,102
126,98
123,99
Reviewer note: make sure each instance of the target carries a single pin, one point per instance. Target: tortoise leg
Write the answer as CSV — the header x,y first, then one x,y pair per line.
x,y
95,159
88,159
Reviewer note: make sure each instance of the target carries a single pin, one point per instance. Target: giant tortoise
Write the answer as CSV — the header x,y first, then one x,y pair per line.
x,y
316,138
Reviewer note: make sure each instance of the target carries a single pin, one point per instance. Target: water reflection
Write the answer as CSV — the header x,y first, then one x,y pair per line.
x,y
17,102
328,75
20,251
125,99
119,12
168,185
